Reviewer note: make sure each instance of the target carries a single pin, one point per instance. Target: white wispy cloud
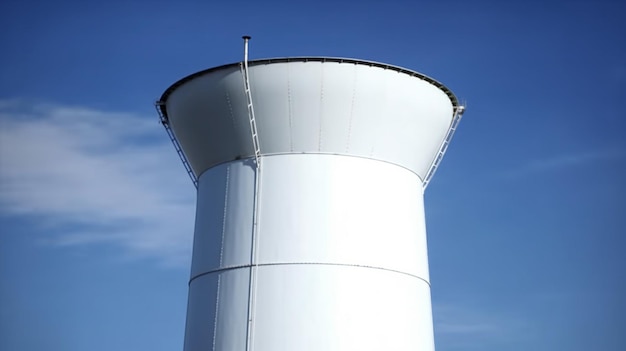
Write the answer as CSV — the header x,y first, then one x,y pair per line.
x,y
452,319
565,161
458,327
101,176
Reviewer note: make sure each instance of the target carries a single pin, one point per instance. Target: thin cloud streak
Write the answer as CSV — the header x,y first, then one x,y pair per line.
x,y
453,320
102,176
565,161
461,328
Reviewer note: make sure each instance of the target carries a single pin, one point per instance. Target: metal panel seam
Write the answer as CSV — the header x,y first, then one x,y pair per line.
x,y
289,102
321,111
217,294
217,310
312,153
224,213
230,109
235,267
354,85
381,116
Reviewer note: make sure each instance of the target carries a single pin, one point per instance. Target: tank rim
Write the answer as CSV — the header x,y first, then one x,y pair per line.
x,y
163,100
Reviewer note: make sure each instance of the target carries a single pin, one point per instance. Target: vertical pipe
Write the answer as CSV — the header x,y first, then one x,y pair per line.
x,y
245,38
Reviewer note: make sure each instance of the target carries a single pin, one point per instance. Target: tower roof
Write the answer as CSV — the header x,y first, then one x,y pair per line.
x,y
311,105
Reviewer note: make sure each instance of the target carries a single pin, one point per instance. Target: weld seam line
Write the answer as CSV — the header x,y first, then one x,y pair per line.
x,y
217,311
228,268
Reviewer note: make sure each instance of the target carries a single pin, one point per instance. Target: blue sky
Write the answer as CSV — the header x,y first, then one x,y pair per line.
x,y
525,216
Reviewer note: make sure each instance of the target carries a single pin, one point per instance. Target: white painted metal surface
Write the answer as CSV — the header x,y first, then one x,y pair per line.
x,y
339,248
341,254
311,107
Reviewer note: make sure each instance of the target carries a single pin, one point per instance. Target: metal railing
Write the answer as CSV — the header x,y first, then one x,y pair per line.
x,y
166,124
458,113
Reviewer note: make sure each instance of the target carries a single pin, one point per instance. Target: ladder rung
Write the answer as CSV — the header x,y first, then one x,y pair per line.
x,y
253,128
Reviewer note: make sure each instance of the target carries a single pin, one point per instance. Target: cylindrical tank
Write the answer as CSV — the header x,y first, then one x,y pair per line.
x,y
323,245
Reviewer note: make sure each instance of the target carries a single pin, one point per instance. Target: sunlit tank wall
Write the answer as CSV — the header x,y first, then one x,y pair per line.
x,y
341,258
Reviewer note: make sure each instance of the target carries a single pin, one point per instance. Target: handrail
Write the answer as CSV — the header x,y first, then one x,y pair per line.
x,y
456,118
166,124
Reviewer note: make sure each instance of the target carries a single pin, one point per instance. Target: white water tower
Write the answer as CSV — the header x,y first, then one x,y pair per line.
x,y
309,230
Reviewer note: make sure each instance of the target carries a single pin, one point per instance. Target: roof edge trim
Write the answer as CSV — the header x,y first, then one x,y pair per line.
x,y
163,100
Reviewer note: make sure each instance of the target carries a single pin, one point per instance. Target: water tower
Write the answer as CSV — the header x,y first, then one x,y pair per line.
x,y
310,175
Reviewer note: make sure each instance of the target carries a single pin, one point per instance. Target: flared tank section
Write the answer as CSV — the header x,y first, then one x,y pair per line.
x,y
309,230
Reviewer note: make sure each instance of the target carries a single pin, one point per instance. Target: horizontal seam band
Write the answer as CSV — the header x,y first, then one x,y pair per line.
x,y
228,268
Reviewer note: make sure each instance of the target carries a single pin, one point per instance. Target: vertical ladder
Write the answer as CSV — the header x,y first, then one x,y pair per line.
x,y
166,124
246,84
254,252
458,113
